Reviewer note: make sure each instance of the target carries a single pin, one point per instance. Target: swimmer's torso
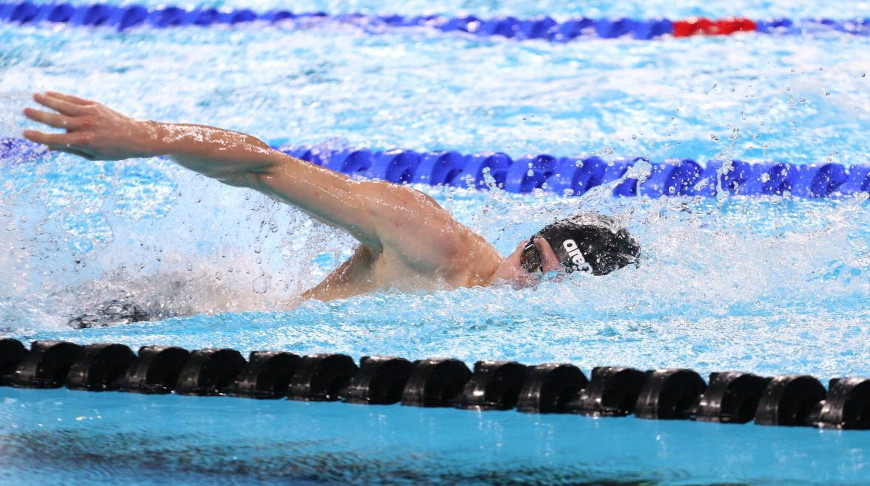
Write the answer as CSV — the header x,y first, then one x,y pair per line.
x,y
366,272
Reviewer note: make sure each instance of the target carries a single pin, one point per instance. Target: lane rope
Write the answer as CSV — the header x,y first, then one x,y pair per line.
x,y
727,397
124,18
568,176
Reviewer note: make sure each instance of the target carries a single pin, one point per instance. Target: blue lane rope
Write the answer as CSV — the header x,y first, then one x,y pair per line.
x,y
127,17
568,175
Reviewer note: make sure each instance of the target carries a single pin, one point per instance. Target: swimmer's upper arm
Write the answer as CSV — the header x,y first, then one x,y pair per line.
x,y
329,196
413,225
379,214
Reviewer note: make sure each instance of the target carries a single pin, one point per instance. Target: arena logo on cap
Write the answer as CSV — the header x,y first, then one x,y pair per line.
x,y
574,253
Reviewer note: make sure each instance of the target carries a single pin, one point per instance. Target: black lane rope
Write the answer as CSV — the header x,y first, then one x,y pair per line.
x,y
728,397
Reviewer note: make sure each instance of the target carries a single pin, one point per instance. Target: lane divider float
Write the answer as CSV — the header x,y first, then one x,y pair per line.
x,y
127,17
664,394
571,176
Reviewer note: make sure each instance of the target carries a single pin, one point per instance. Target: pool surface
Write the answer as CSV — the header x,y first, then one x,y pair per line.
x,y
769,285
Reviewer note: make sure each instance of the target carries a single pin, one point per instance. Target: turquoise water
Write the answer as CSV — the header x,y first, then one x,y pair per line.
x,y
766,285
85,439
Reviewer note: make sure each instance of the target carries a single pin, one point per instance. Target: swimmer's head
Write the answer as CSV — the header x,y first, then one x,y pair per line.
x,y
586,242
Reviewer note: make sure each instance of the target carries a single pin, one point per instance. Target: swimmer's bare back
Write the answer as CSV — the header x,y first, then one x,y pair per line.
x,y
408,241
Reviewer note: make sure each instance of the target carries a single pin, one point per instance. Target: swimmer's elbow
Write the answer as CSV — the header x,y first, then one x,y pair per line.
x,y
259,173
237,176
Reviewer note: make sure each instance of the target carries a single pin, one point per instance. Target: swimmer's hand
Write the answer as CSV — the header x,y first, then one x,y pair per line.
x,y
96,132
93,131
512,269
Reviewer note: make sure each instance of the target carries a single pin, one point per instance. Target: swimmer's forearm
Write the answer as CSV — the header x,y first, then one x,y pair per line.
x,y
242,160
231,157
97,132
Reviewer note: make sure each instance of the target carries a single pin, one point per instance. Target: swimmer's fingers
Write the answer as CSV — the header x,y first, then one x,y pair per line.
x,y
50,119
57,141
61,105
549,262
70,98
51,142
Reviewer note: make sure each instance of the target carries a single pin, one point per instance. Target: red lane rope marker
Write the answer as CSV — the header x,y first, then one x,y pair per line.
x,y
705,26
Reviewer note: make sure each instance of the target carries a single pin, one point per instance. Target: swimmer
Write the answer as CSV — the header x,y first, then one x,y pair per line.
x,y
407,241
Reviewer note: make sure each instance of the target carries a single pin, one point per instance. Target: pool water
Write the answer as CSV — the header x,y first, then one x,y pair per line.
x,y
766,285
86,438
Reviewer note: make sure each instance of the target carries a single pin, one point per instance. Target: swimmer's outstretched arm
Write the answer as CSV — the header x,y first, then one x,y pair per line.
x,y
378,214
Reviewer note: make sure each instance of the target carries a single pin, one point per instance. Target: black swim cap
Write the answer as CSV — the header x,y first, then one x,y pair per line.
x,y
589,241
